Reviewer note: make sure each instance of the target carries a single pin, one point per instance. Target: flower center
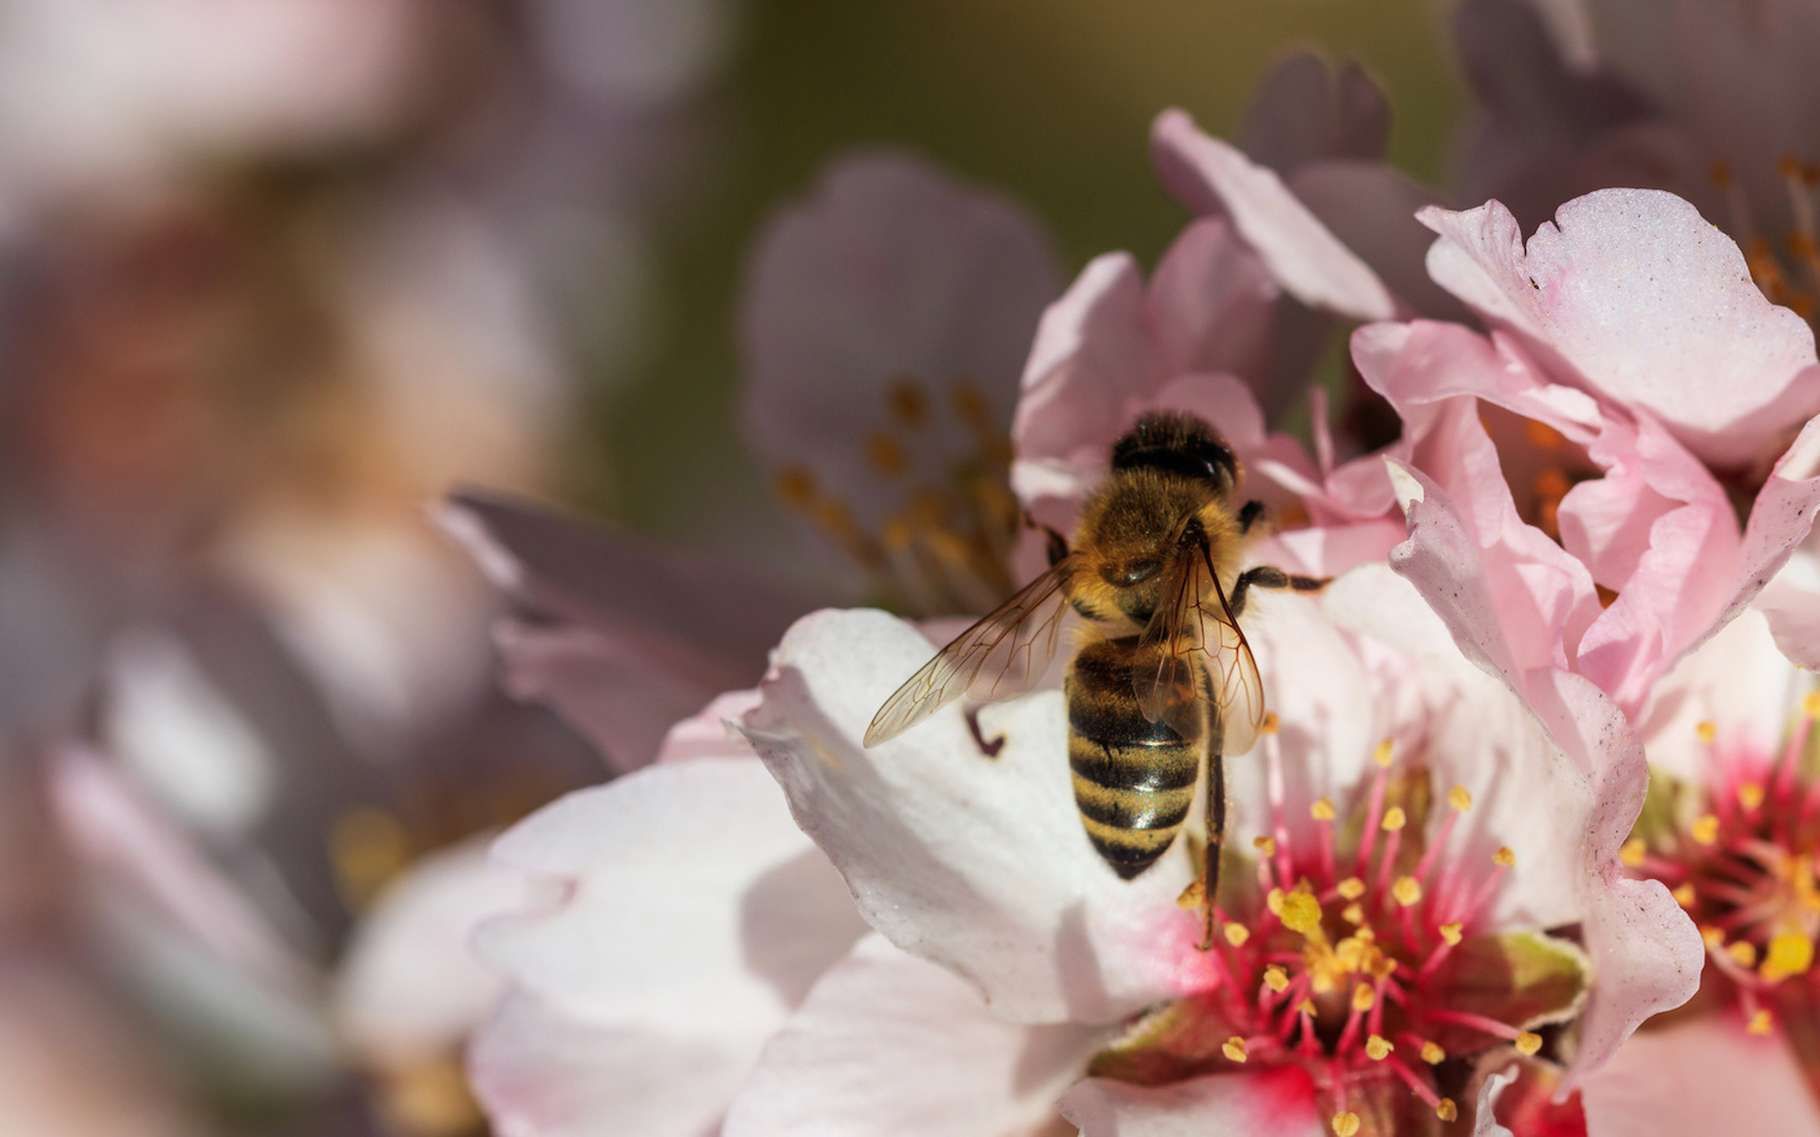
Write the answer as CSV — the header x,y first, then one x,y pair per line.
x,y
944,544
1742,855
1368,967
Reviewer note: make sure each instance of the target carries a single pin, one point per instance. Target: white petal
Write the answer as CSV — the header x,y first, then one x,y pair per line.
x,y
888,1043
410,990
1740,682
1268,1103
980,864
690,905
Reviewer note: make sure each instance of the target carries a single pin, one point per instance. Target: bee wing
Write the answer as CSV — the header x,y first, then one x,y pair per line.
x,y
1002,655
1196,633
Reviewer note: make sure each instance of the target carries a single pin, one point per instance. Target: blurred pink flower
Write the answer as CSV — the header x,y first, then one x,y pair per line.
x,y
1608,332
884,323
979,866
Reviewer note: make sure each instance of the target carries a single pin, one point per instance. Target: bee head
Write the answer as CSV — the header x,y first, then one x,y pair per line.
x,y
1179,444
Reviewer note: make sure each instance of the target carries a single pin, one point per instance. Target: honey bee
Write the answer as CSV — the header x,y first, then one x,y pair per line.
x,y
1163,682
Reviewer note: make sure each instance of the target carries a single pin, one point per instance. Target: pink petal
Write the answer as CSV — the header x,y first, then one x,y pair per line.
x,y
685,905
1210,176
1697,1077
712,733
1269,1103
408,990
541,1073
1306,109
1645,302
1211,304
620,585
888,270
1791,602
887,1043
615,693
978,864
1781,519
1370,208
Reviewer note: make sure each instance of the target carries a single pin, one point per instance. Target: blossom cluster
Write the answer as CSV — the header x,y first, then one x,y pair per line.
x,y
1529,842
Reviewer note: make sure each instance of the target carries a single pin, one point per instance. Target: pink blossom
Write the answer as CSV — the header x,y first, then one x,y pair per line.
x,y
980,865
1590,323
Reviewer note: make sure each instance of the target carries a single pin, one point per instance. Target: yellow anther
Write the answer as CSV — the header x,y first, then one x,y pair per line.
x,y
1407,891
1273,900
1504,858
1631,855
1760,1023
1446,1110
1790,954
1712,937
1528,1043
1345,1124
1270,724
1234,1049
1394,819
1378,1048
1237,934
908,402
1684,895
796,486
1351,888
1276,979
1301,913
1363,998
1452,934
1306,1007
886,454
1459,798
1750,795
1381,753
1810,705
1322,810
1266,846
1705,829
1353,914
1192,897
1742,952
969,403
1706,730
1433,1054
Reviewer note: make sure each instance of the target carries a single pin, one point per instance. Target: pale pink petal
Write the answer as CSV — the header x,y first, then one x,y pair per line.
x,y
1697,1077
1269,1103
408,990
977,863
888,271
685,904
888,1043
1211,304
1739,682
619,585
1485,1121
1370,208
541,1073
1647,303
1307,108
714,732
1646,952
1210,176
1781,519
1792,603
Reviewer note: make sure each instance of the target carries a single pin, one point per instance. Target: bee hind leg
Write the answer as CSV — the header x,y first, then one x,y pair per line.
x,y
1269,576
1216,839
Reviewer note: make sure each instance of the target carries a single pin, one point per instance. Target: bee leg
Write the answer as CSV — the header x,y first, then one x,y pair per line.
x,y
1216,834
1269,576
1249,515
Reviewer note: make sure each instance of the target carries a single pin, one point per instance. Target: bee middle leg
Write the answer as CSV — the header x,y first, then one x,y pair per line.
x,y
1269,576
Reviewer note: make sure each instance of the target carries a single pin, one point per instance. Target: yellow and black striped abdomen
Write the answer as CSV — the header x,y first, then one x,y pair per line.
x,y
1133,779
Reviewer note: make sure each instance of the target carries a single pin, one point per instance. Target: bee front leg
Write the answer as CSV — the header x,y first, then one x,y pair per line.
x,y
1269,576
1056,546
1250,514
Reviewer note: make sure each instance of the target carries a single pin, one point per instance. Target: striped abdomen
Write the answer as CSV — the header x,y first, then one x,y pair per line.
x,y
1133,779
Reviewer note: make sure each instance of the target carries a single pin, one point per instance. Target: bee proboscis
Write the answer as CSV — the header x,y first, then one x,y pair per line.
x,y
1163,684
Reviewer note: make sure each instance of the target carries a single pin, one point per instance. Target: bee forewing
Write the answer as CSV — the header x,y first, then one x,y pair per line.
x,y
1004,654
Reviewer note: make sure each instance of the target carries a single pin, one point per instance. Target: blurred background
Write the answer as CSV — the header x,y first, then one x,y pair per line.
x,y
274,276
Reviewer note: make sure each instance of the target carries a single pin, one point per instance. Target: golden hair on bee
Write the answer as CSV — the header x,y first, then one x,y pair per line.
x,y
1162,685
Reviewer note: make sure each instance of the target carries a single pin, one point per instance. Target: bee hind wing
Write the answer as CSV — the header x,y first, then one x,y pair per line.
x,y
1201,654
1005,653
